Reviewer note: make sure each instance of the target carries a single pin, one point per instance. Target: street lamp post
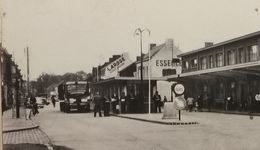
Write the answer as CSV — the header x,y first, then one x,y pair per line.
x,y
139,32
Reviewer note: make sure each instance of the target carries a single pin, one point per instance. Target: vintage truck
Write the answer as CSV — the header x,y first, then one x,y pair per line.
x,y
74,96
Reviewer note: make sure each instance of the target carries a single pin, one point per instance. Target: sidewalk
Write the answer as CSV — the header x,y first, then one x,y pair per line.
x,y
11,124
19,133
157,118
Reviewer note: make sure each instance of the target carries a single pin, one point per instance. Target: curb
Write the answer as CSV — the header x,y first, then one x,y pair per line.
x,y
21,129
233,113
158,122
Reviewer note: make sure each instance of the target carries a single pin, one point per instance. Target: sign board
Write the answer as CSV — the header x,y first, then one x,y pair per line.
x,y
257,97
178,89
112,69
179,103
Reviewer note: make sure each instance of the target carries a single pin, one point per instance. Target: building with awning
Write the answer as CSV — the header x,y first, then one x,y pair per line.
x,y
227,69
120,76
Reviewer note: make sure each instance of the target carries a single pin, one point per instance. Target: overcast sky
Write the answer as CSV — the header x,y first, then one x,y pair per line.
x,y
72,35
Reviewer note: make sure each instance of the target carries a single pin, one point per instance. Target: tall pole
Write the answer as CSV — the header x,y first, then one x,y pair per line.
x,y
149,76
139,32
28,71
2,26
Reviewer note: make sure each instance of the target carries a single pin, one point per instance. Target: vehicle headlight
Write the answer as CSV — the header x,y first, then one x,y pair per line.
x,y
72,100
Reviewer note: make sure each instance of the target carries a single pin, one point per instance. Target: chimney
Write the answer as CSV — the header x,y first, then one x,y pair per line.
x,y
208,44
151,46
169,44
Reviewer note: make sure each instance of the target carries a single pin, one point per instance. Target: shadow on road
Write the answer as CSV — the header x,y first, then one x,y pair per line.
x,y
27,146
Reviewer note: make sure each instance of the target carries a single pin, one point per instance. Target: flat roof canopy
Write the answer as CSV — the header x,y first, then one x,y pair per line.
x,y
237,70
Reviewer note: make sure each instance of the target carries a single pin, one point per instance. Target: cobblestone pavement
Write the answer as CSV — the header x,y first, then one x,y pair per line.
x,y
35,136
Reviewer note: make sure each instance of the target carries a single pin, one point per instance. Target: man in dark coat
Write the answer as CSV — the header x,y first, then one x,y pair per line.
x,y
157,102
97,99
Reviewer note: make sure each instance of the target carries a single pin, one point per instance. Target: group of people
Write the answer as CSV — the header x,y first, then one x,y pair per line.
x,y
194,104
117,104
31,107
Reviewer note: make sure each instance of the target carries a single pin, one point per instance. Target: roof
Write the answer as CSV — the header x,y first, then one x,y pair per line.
x,y
130,79
222,43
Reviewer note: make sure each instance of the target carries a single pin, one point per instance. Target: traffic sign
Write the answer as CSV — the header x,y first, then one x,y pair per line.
x,y
178,89
257,97
179,103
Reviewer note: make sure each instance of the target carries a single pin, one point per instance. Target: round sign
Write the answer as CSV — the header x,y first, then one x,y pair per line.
x,y
257,97
179,103
179,89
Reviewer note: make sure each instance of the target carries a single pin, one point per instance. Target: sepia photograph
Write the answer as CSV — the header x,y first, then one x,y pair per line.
x,y
130,74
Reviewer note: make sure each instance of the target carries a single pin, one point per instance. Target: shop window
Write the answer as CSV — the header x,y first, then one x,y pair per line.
x,y
211,65
253,51
194,63
231,57
203,62
241,55
219,60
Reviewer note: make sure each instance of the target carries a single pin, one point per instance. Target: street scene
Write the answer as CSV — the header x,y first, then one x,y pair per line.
x,y
123,75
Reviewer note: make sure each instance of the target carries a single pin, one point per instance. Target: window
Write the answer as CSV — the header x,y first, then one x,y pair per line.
x,y
203,62
252,50
194,63
231,57
241,55
219,60
185,65
211,65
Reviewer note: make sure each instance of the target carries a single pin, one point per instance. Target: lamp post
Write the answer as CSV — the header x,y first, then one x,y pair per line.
x,y
139,32
2,28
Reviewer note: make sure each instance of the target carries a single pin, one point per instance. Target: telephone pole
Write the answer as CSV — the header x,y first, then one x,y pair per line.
x,y
28,72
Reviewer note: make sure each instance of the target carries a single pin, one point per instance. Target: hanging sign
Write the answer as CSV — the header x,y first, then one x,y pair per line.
x,y
113,68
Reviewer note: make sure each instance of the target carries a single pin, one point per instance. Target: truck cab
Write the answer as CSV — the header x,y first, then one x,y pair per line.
x,y
74,96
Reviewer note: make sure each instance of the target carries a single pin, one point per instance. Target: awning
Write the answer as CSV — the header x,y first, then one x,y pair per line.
x,y
237,70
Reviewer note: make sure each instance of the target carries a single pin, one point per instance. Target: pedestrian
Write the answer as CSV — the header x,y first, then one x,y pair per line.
x,y
97,99
34,105
106,106
200,103
114,101
190,103
123,102
53,100
157,102
28,109
196,106
164,100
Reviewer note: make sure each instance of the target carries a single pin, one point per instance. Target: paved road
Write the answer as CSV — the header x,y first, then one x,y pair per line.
x,y
215,132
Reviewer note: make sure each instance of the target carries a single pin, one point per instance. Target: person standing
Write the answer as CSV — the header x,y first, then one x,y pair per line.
x,y
28,109
97,99
53,100
157,102
123,102
190,103
200,103
34,105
